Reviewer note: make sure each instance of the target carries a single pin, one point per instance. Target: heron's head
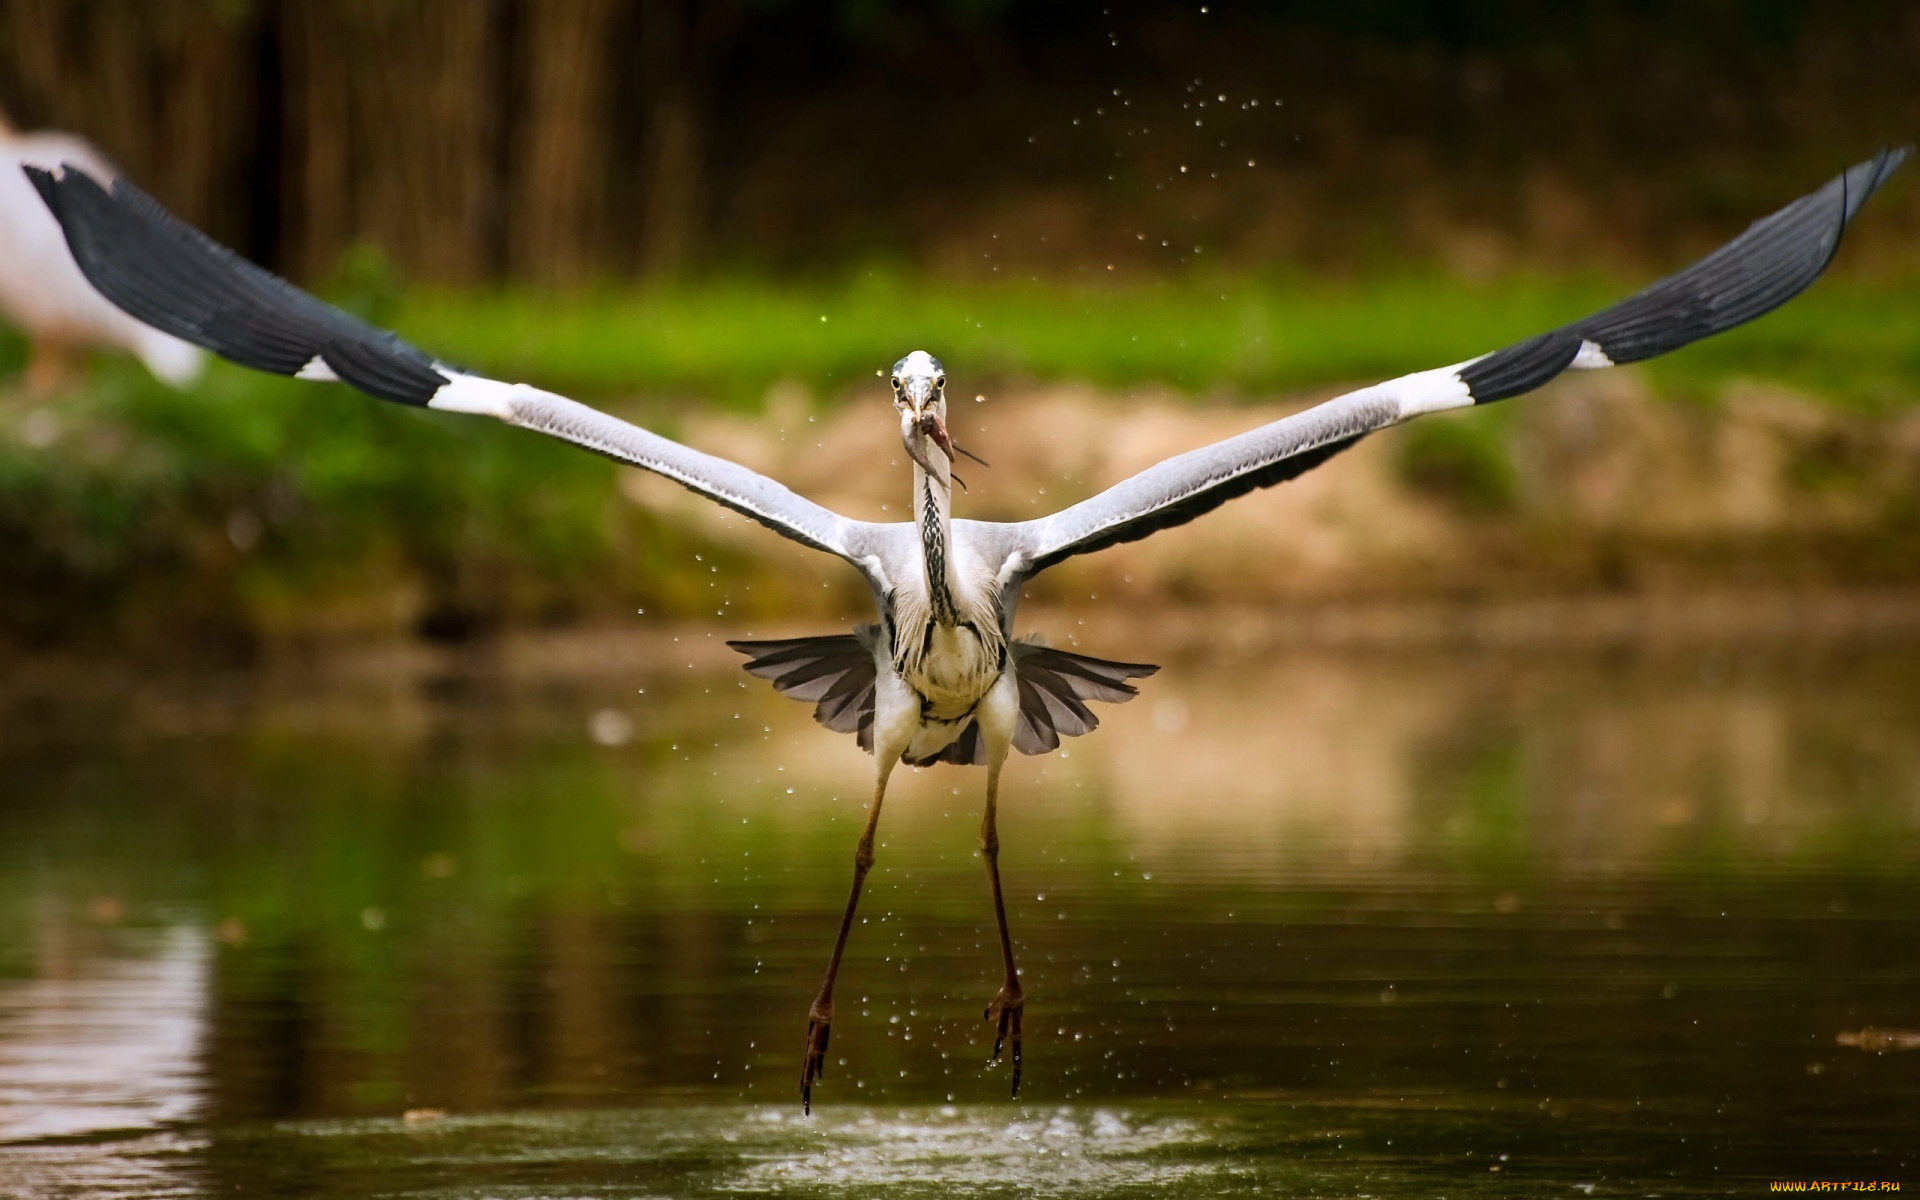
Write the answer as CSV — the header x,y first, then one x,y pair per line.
x,y
920,394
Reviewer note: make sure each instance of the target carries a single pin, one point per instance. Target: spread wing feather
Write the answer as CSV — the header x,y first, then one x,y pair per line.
x,y
1763,268
176,279
836,674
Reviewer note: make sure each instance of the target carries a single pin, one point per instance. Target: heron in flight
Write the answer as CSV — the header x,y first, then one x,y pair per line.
x,y
44,294
940,677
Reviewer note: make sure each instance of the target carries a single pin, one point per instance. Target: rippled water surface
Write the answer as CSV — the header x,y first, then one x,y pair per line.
x,y
1360,924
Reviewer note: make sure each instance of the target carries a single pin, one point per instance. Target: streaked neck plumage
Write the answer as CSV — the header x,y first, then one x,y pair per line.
x,y
933,514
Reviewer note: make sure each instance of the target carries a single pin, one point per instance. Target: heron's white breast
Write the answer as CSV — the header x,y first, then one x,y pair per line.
x,y
951,667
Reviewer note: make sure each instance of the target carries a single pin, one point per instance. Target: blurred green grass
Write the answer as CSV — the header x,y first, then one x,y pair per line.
x,y
251,505
726,341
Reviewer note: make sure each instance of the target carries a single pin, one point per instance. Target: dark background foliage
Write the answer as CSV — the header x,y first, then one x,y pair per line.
x,y
556,142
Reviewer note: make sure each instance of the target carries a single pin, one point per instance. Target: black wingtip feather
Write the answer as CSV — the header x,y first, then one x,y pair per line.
x,y
1773,261
1875,172
42,181
176,279
1520,367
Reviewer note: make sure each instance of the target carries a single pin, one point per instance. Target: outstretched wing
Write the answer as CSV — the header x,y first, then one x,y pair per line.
x,y
1763,268
175,278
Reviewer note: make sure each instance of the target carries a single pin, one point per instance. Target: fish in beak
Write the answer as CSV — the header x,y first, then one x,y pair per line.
x,y
913,435
920,423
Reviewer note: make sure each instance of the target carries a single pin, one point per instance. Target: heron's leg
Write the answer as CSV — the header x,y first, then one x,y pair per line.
x,y
820,1016
1007,1006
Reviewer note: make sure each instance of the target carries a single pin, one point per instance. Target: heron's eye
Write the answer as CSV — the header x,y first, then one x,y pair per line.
x,y
939,381
896,383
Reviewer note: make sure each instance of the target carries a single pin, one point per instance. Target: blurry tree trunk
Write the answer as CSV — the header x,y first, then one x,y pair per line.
x,y
561,148
396,103
164,89
319,192
679,41
427,129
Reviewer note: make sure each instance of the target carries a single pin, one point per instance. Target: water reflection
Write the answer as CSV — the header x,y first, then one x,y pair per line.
x,y
101,1040
1325,921
104,1039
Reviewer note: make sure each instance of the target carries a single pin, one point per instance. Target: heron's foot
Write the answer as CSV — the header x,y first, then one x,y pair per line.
x,y
1005,1013
819,1029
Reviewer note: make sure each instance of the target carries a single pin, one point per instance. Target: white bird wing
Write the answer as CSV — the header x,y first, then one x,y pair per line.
x,y
1769,264
175,278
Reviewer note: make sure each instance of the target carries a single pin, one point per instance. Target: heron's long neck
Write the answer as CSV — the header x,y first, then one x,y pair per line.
x,y
933,513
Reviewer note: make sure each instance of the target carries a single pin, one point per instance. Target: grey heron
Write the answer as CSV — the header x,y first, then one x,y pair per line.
x,y
940,676
41,289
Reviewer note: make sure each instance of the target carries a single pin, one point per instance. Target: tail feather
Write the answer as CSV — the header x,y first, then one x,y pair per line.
x,y
847,706
836,675
1033,731
1054,688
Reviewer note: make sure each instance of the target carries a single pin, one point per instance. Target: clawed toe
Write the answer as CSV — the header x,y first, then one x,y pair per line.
x,y
1005,1012
819,1030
